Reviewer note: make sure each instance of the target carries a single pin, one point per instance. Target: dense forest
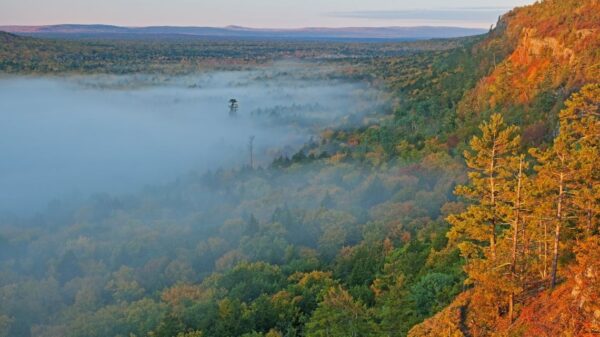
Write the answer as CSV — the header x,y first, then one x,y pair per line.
x,y
472,208
178,55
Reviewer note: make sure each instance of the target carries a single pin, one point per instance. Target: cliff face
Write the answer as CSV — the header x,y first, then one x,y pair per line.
x,y
553,49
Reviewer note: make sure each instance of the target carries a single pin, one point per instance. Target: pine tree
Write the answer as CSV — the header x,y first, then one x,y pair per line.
x,y
555,177
567,174
580,124
495,175
515,216
492,165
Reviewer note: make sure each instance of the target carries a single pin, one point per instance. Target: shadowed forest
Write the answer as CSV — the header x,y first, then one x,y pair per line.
x,y
438,188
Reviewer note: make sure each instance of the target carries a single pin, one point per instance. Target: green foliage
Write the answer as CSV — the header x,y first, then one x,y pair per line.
x,y
340,315
183,55
265,268
433,292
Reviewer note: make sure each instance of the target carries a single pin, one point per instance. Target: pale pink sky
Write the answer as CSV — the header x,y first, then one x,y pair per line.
x,y
257,13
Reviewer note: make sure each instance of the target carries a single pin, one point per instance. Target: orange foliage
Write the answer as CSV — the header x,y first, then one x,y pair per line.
x,y
447,323
179,294
573,309
553,45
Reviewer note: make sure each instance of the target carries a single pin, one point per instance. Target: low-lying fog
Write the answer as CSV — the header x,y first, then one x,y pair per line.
x,y
68,137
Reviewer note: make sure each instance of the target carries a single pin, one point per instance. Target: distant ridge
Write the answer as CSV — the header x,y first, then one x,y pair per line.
x,y
8,37
348,33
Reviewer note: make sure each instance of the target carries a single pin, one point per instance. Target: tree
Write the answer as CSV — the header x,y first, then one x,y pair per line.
x,y
233,107
339,315
580,124
491,163
495,183
123,285
566,174
515,217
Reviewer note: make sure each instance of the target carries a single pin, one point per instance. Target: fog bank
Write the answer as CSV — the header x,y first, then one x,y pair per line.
x,y
70,137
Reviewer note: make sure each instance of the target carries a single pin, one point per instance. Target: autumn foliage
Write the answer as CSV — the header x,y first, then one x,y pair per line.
x,y
519,233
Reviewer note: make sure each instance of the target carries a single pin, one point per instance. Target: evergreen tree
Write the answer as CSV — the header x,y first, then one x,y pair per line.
x,y
567,176
491,163
495,169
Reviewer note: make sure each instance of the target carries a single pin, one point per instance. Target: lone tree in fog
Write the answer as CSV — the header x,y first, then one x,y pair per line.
x,y
233,106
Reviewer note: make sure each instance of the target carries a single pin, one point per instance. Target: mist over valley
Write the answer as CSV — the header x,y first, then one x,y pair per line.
x,y
68,137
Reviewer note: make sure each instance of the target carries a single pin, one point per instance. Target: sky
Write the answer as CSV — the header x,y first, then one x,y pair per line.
x,y
258,13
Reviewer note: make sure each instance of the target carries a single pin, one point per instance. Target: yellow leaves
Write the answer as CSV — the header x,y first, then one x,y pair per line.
x,y
273,333
377,157
469,250
179,294
404,146
465,191
337,297
190,334
305,279
497,140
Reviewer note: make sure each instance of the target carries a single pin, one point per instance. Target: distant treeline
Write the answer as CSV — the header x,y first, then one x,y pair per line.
x,y
20,54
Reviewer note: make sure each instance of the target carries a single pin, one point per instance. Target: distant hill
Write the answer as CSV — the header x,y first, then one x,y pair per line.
x,y
8,37
348,33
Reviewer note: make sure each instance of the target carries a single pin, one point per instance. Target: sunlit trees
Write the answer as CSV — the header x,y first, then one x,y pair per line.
x,y
580,125
568,174
538,217
491,165
517,197
495,169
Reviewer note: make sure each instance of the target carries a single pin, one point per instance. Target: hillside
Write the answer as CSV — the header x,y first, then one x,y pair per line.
x,y
552,52
572,309
534,59
8,37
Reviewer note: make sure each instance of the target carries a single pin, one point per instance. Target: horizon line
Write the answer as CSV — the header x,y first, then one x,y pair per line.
x,y
233,26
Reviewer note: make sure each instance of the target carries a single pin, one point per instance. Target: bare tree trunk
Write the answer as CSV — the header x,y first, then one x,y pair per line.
x,y
511,306
251,149
526,241
516,226
590,211
493,201
545,249
559,216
